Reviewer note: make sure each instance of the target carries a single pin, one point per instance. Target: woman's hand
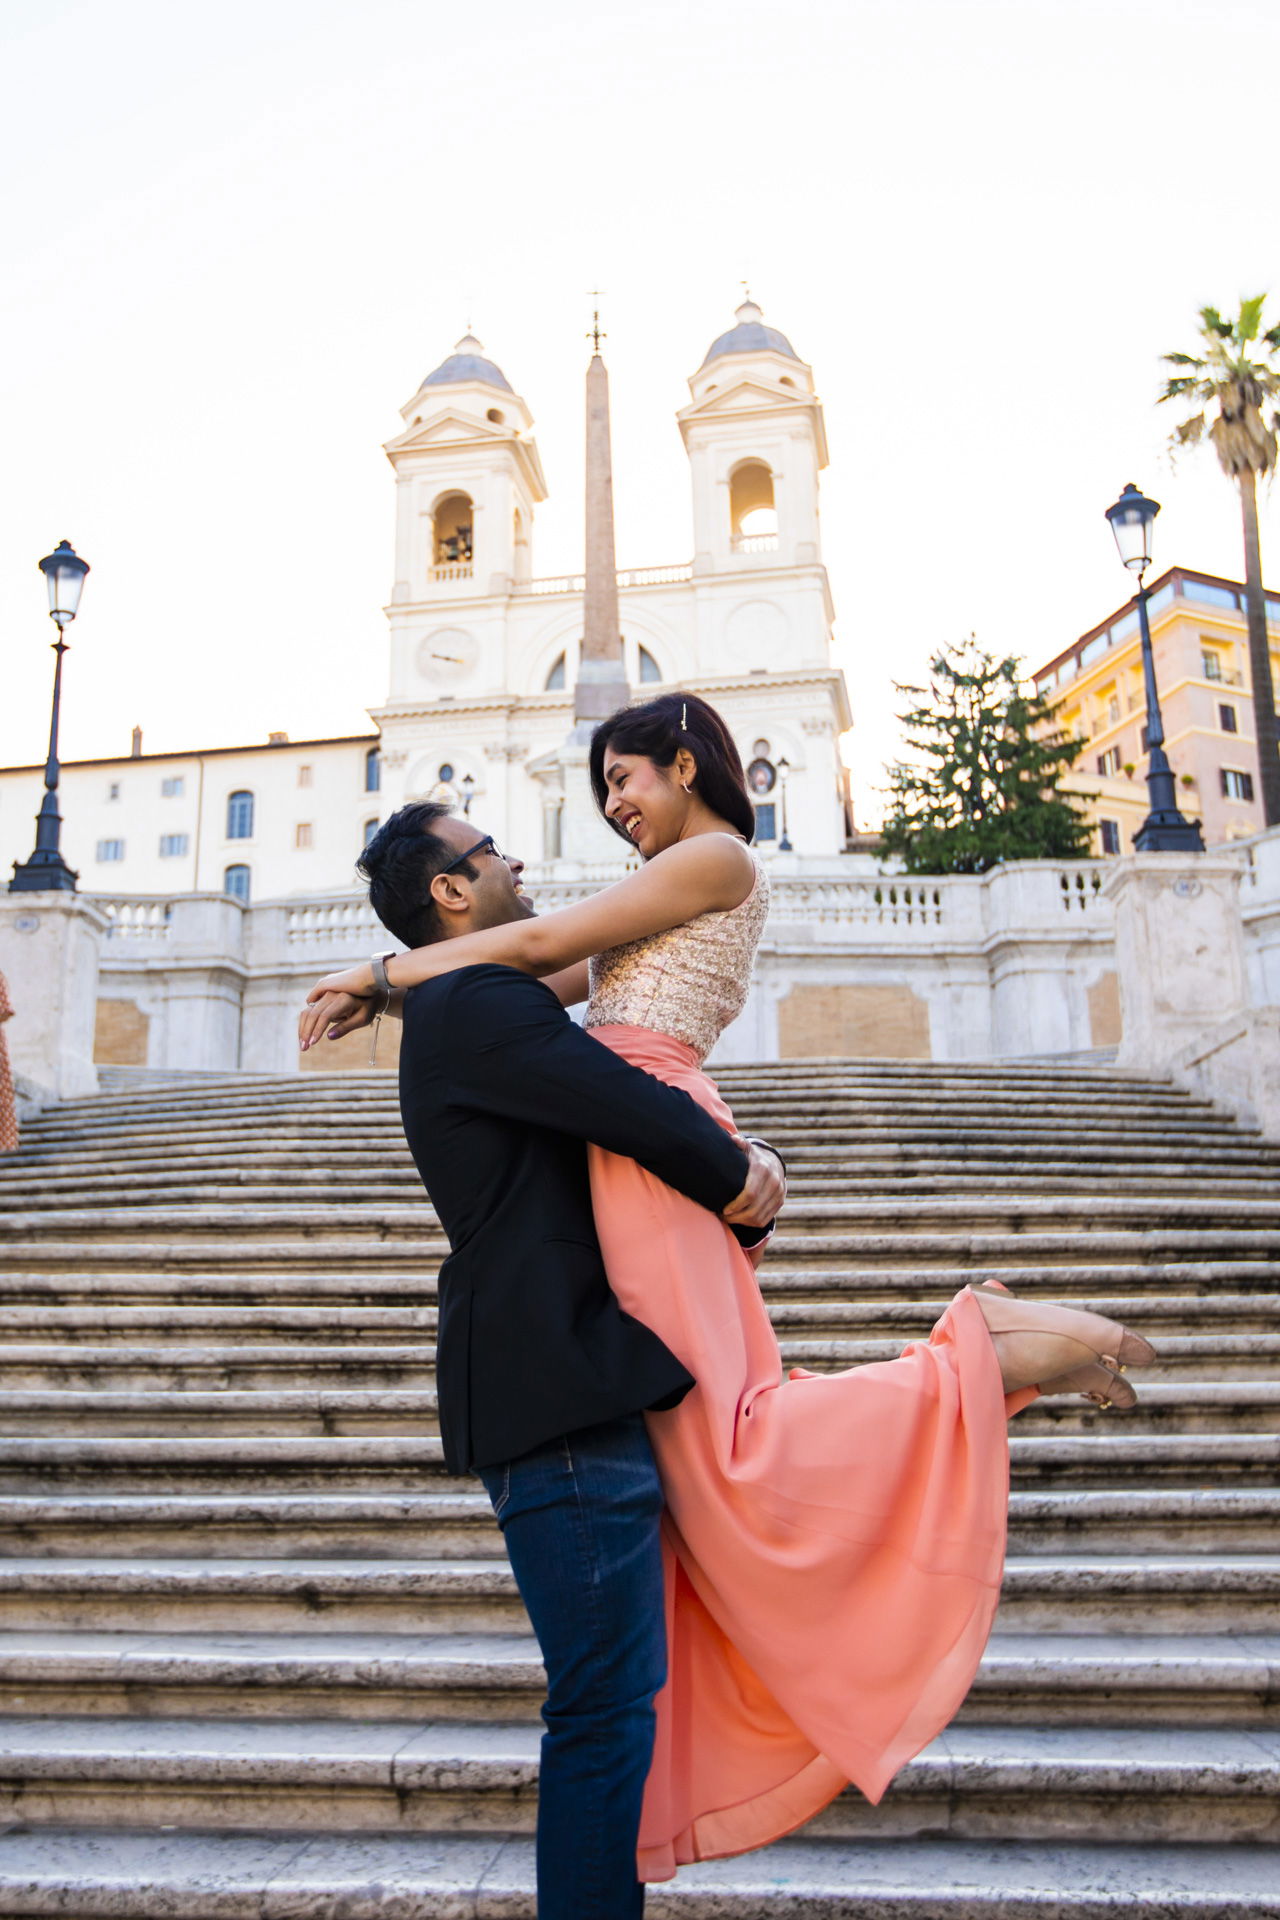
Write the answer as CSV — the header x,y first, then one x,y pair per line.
x,y
333,1013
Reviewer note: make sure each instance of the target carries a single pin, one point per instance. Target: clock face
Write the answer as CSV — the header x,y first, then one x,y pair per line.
x,y
447,656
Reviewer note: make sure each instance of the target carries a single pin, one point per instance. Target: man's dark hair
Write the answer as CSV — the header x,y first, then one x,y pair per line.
x,y
400,862
658,729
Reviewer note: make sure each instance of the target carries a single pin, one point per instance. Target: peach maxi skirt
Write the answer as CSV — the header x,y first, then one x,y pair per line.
x,y
833,1544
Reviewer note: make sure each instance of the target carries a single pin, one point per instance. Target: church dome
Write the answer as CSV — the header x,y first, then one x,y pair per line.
x,y
467,362
750,336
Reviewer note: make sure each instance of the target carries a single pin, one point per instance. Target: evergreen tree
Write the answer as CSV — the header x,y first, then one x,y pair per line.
x,y
983,787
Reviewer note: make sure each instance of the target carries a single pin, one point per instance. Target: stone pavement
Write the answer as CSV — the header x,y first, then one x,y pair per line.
x,y
260,1655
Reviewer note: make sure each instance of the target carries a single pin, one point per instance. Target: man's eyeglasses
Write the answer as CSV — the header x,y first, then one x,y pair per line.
x,y
487,845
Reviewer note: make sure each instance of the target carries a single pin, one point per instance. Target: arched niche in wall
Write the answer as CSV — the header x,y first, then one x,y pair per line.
x,y
452,520
752,509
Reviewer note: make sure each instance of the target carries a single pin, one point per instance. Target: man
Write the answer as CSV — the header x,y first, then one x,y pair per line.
x,y
543,1379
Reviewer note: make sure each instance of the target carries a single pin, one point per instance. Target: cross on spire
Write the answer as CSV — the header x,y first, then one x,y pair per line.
x,y
596,335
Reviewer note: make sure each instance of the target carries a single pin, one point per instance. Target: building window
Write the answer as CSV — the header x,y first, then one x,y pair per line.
x,y
173,788
1236,785
1227,719
1113,711
1212,664
302,836
1110,831
240,816
649,668
555,679
766,821
1109,762
173,846
370,828
444,773
235,881
1144,738
110,850
113,790
304,776
373,770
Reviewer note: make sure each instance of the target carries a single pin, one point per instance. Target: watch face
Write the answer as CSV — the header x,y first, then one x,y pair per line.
x,y
449,654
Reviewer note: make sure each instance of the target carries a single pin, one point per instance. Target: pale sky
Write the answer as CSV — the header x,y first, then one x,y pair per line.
x,y
236,238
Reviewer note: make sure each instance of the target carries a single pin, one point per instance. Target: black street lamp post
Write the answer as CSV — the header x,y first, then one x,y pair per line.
x,y
46,871
1165,829
784,768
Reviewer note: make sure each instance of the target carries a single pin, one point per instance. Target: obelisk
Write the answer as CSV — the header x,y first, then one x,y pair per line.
x,y
602,680
601,686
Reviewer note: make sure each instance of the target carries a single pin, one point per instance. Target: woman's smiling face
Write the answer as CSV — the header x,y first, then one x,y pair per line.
x,y
645,801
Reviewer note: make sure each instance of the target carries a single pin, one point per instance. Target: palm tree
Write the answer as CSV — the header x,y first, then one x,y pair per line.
x,y
1231,389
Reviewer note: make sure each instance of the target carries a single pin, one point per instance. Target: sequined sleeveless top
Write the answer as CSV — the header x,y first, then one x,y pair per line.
x,y
689,982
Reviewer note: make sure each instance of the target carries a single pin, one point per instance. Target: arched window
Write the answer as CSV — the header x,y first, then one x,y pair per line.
x,y
555,679
373,770
649,668
370,828
451,531
753,517
240,815
235,881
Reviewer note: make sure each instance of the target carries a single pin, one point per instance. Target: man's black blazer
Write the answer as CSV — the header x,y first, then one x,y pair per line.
x,y
499,1089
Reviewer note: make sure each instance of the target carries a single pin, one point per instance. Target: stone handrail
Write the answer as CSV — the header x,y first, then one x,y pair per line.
x,y
628,577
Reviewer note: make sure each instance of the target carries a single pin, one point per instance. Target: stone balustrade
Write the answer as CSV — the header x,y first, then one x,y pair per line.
x,y
1020,961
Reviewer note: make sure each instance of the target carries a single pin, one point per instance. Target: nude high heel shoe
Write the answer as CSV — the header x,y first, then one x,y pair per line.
x,y
1033,1342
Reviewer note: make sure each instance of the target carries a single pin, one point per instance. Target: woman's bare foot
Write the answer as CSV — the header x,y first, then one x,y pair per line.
x,y
1061,1348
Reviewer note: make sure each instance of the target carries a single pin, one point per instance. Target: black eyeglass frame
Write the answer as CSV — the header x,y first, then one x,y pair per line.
x,y
487,845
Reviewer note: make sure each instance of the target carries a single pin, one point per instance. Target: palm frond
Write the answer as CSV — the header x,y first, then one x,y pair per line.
x,y
1250,319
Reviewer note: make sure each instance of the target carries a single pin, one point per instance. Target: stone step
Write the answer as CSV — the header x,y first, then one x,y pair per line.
x,y
1065,1784
1033,1679
808,1225
84,1873
933,1147
192,1365
460,1525
1212,1336
1248,1408
357,1463
247,1188
829,1264
1066,1593
828,1124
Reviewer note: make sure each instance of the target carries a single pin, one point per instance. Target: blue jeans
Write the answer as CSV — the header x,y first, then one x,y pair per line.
x,y
580,1518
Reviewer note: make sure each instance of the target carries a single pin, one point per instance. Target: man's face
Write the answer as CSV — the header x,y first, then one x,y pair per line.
x,y
494,897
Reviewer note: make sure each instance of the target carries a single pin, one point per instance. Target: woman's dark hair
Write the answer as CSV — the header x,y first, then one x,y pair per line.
x,y
658,729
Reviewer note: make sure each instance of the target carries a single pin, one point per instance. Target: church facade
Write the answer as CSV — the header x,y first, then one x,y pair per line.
x,y
485,656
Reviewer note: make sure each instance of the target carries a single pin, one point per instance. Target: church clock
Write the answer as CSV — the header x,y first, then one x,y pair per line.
x,y
447,656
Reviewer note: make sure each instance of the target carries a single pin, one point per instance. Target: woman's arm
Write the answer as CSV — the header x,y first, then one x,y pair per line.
x,y
708,874
570,986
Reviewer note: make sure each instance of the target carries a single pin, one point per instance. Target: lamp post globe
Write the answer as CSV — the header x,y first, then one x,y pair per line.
x,y
64,573
1132,518
1165,829
46,871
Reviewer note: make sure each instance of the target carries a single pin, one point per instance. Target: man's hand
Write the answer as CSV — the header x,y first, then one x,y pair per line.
x,y
334,1013
761,1199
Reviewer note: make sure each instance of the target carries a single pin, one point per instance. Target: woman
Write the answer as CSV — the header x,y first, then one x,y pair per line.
x,y
834,1544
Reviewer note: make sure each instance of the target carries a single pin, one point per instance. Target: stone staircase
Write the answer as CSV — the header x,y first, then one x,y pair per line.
x,y
260,1656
